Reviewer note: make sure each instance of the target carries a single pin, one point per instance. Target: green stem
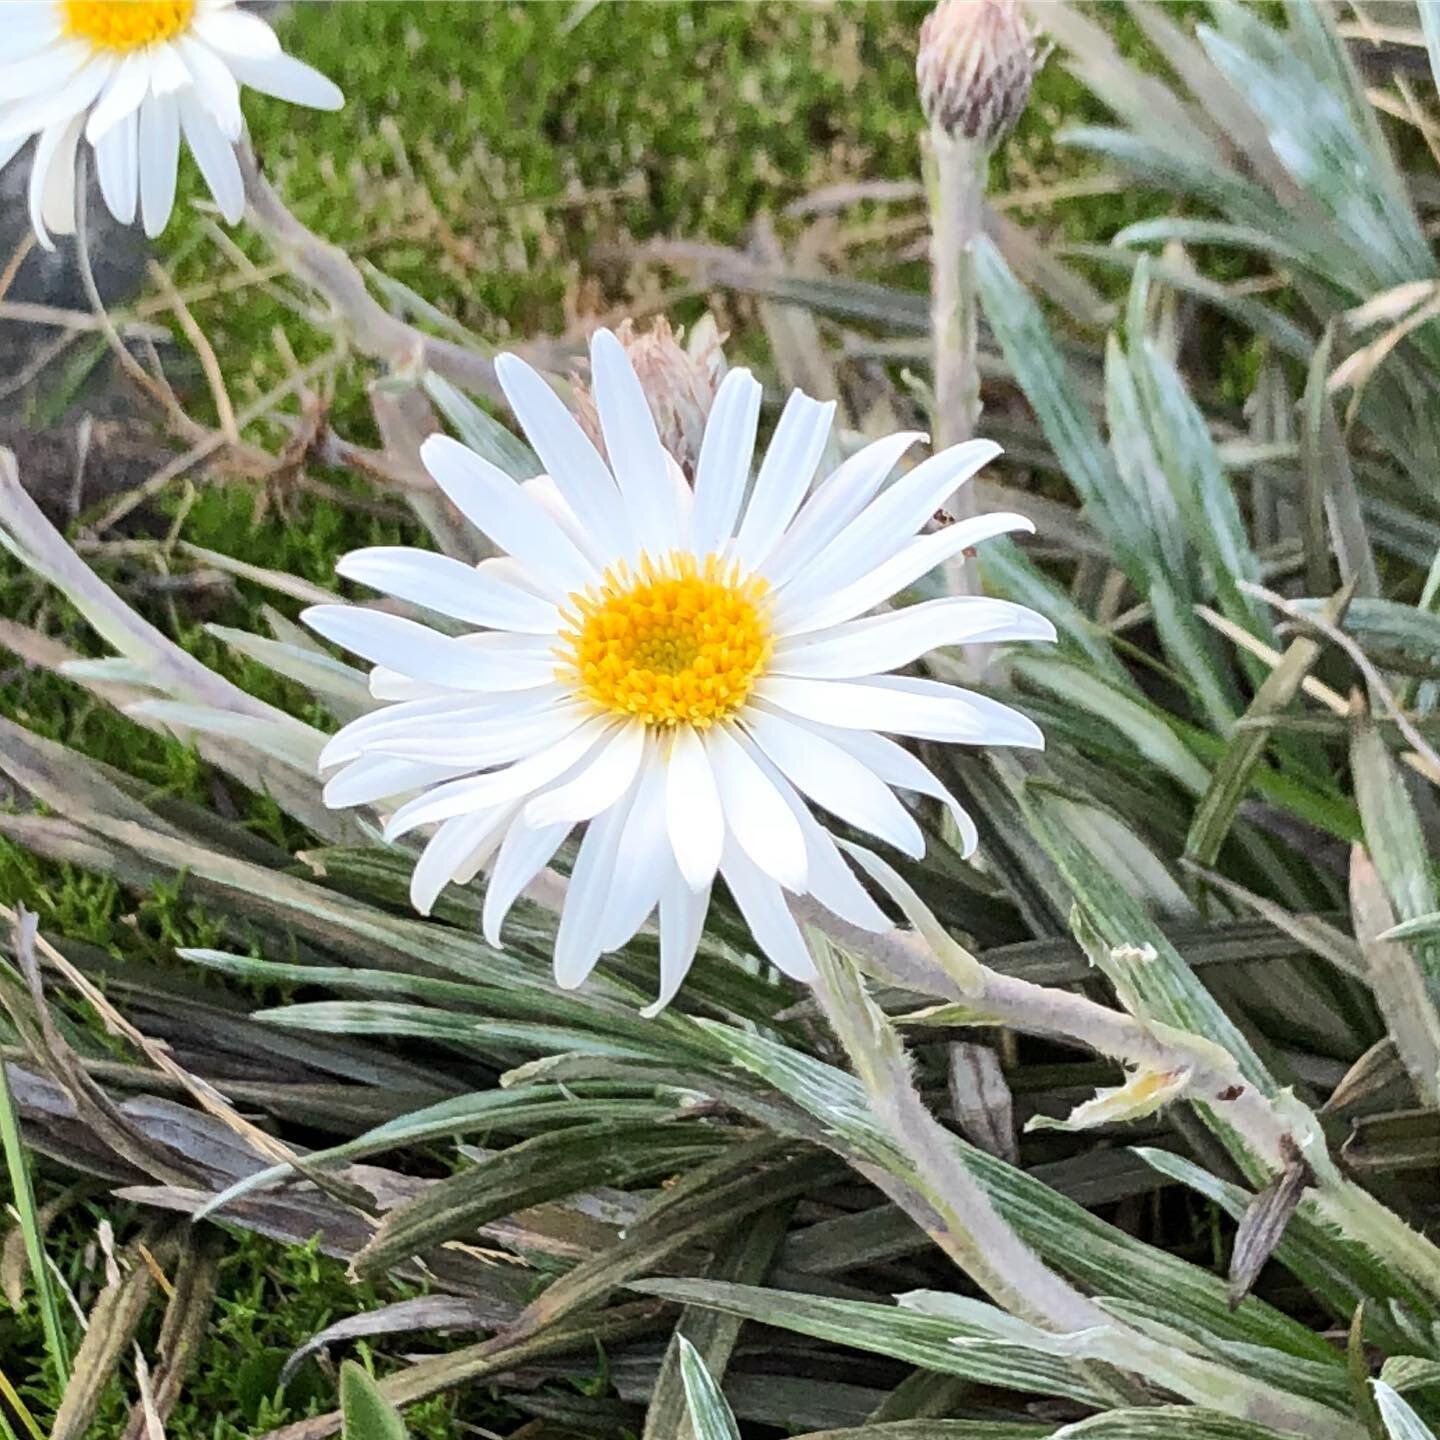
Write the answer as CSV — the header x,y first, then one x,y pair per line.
x,y
24,1197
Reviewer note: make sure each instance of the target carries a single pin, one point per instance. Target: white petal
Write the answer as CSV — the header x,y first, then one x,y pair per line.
x,y
565,451
159,159
377,777
215,88
695,819
483,746
896,514
386,684
413,715
449,587
828,878
636,454
287,78
51,89
835,780
785,474
476,662
682,921
896,766
577,943
117,166
31,27
509,571
604,778
52,181
640,862
837,500
886,642
169,74
513,783
806,605
457,845
215,156
546,494
121,97
723,469
757,818
523,854
936,712
495,504
234,32
762,902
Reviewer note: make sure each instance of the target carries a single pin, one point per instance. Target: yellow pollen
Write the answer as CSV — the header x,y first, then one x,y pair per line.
x,y
122,25
676,642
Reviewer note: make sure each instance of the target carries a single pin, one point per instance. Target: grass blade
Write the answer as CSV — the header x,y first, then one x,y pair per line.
x,y
709,1414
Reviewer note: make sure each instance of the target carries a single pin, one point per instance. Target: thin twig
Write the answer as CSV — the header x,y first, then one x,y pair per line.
x,y
157,389
201,1091
16,260
203,348
373,329
212,441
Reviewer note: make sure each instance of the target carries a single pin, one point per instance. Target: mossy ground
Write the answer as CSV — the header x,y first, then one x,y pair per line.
x,y
502,161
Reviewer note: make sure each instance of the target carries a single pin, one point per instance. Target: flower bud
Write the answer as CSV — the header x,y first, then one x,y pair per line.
x,y
679,381
976,63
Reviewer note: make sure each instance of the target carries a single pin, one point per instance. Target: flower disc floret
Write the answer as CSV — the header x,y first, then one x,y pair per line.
x,y
124,25
680,641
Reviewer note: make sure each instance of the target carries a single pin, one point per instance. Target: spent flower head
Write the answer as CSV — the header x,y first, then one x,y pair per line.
x,y
975,66
680,381
132,77
682,672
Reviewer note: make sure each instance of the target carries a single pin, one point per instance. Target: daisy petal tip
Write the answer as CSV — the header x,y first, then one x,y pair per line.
x,y
436,448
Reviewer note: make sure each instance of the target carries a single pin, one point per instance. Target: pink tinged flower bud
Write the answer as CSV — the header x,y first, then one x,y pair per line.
x,y
679,380
976,63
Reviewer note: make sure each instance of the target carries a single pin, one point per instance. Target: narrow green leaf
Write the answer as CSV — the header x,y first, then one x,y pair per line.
x,y
1230,779
1430,24
710,1416
1033,356
918,1339
1400,1420
479,430
1332,498
938,1430
1395,841
368,1414
22,1196
549,1166
1174,1422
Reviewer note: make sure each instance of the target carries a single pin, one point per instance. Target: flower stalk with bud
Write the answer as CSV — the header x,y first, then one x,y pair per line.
x,y
976,62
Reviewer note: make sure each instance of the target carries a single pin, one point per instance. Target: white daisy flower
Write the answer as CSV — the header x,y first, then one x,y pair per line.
x,y
133,76
682,673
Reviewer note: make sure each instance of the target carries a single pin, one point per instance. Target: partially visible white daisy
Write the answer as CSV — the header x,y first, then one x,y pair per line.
x,y
133,76
682,672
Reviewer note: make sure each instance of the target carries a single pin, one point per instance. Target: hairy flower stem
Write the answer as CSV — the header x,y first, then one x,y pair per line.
x,y
965,1223
1270,1128
955,171
933,1185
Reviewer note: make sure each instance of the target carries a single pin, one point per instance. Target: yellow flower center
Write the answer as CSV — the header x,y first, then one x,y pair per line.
x,y
122,25
679,642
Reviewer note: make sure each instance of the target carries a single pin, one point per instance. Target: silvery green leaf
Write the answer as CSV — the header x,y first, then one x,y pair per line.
x,y
710,1416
